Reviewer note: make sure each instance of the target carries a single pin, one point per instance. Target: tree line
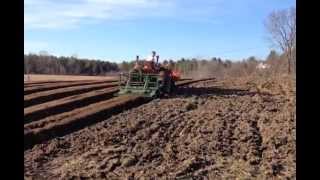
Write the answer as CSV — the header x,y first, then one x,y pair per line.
x,y
49,64
217,67
192,67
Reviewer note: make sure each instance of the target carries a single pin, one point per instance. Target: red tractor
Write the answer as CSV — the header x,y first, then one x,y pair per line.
x,y
150,78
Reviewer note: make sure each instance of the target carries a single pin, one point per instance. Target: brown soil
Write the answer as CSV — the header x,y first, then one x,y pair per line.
x,y
50,108
35,78
72,118
69,103
68,122
44,96
46,87
61,92
34,84
234,129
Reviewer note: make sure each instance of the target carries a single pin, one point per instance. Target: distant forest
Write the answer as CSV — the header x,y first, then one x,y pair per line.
x,y
48,64
217,67
194,67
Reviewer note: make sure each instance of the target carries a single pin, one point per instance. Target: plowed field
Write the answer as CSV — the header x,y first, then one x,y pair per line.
x,y
228,129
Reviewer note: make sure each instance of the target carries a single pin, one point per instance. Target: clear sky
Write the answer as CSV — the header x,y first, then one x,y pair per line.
x,y
117,30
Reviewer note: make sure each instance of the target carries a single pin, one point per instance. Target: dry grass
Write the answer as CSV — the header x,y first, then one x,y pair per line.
x,y
45,77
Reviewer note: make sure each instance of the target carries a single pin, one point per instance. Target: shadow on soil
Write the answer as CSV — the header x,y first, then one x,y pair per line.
x,y
215,91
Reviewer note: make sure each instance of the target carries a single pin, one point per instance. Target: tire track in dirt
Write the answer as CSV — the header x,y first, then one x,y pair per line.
x,y
52,126
41,97
61,124
215,133
69,103
34,84
29,90
153,134
44,82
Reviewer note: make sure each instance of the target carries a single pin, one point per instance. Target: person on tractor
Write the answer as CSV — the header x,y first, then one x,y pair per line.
x,y
136,69
137,65
149,64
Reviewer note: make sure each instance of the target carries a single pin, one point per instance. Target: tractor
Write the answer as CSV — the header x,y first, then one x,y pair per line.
x,y
149,78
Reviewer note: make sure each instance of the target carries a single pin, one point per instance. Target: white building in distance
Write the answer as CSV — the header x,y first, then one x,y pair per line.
x,y
263,66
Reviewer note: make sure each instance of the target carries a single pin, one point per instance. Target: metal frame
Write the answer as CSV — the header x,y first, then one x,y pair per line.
x,y
143,84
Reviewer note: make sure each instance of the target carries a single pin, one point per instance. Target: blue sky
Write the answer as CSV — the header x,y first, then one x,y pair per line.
x,y
117,30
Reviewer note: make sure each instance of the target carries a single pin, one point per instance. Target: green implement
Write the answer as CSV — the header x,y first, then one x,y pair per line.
x,y
138,83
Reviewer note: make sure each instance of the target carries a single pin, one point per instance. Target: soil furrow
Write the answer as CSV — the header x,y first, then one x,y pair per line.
x,y
59,124
29,90
50,108
68,122
44,83
45,96
211,130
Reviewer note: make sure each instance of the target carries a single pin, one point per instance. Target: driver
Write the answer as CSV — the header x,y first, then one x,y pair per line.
x,y
149,65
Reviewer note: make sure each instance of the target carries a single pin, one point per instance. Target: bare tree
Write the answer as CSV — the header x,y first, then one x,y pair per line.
x,y
281,26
